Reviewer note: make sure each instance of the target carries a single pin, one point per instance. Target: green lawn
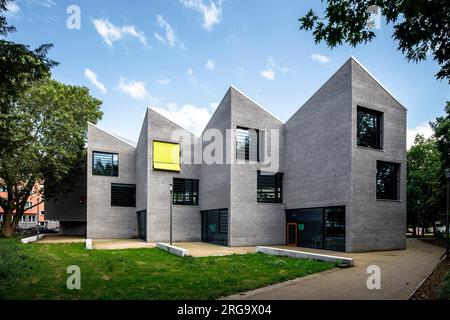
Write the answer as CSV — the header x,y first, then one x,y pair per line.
x,y
445,289
38,271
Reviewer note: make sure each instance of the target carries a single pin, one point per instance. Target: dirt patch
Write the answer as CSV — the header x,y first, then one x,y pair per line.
x,y
430,289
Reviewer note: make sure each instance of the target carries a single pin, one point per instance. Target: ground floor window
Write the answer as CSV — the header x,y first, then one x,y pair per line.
x,y
215,226
269,187
319,228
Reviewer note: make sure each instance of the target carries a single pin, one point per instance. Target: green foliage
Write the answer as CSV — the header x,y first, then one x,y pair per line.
x,y
420,27
441,128
50,127
4,27
425,181
149,274
444,293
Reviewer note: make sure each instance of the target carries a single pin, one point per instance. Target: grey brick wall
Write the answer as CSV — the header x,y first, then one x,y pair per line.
x,y
103,220
376,224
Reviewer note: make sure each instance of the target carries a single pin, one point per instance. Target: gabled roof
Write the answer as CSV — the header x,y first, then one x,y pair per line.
x,y
127,141
160,114
352,58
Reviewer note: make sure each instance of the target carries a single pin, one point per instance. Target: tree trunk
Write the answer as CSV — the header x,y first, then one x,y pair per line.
x,y
414,230
8,225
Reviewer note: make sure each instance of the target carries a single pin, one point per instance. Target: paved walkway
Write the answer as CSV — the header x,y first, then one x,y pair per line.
x,y
401,272
203,249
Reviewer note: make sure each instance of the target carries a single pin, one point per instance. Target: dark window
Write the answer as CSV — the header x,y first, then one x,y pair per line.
x,y
269,187
223,221
369,128
105,164
247,144
185,192
123,195
387,180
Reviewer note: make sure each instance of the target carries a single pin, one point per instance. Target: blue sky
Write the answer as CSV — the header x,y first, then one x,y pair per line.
x,y
181,56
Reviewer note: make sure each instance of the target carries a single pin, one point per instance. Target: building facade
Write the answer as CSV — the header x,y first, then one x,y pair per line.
x,y
332,177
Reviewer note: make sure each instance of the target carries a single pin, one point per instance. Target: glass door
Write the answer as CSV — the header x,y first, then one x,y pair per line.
x,y
291,234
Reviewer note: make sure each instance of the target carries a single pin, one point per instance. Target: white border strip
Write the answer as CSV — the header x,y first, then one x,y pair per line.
x,y
172,249
304,255
32,239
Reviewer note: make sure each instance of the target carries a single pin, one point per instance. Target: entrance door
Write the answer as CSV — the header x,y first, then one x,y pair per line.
x,y
142,225
291,234
215,226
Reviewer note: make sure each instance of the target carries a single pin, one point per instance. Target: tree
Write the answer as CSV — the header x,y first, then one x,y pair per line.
x,y
49,137
4,27
441,128
425,187
421,27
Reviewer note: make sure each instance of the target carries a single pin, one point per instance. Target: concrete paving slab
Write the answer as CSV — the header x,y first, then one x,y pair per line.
x,y
120,244
203,249
401,272
55,239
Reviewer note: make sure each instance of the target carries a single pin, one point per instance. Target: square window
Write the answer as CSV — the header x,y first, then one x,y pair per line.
x,y
185,192
105,164
269,187
388,176
369,128
166,156
247,144
123,195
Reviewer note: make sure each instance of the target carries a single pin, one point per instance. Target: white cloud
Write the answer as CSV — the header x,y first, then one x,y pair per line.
x,y
191,77
211,12
210,64
213,105
135,89
269,74
111,33
12,8
423,129
92,76
163,82
43,3
170,38
188,116
271,69
320,58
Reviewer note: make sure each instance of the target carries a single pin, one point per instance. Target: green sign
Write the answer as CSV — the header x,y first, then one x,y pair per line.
x,y
301,227
212,228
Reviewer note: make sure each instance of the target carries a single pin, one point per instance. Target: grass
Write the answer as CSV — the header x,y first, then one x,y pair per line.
x,y
38,271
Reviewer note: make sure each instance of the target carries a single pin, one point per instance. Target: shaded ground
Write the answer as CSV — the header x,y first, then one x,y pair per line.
x,y
437,285
39,271
203,249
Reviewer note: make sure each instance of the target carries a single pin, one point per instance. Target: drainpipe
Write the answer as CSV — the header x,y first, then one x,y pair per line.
x,y
171,204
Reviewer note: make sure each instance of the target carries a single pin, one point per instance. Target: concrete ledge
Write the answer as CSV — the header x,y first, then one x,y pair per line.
x,y
89,244
172,249
32,239
304,255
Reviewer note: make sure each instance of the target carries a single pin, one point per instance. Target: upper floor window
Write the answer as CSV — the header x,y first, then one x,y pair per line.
x,y
2,189
166,156
247,144
105,164
123,195
185,192
388,176
369,128
28,205
269,187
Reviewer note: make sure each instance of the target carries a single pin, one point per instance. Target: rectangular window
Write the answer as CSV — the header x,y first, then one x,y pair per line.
x,y
28,205
32,218
269,187
369,128
166,156
23,219
2,189
1,217
105,164
123,195
185,192
223,221
388,180
247,144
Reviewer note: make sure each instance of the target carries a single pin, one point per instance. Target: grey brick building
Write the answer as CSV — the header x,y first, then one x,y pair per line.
x,y
332,177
